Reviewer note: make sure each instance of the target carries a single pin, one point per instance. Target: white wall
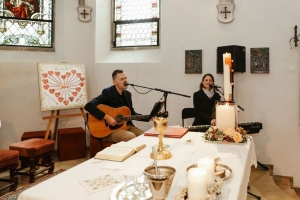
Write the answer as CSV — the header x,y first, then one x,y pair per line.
x,y
272,99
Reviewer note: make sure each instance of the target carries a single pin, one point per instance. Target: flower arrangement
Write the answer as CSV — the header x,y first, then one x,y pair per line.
x,y
238,135
212,191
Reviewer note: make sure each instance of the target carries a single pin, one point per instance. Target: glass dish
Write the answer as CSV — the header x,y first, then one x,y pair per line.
x,y
119,193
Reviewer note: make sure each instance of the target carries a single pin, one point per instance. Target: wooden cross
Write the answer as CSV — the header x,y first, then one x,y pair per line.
x,y
225,12
84,13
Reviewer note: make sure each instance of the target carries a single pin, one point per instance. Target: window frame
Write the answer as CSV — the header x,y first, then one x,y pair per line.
x,y
115,23
37,49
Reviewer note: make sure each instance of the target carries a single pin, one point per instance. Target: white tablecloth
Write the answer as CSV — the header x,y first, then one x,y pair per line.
x,y
239,157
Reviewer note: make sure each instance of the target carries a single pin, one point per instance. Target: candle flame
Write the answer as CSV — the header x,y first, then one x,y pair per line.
x,y
227,60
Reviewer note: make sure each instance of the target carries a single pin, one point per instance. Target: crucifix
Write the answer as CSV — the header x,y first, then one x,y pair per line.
x,y
296,37
84,13
225,12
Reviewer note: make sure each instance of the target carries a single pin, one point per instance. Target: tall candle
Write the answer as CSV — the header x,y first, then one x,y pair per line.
x,y
209,165
197,185
225,116
226,72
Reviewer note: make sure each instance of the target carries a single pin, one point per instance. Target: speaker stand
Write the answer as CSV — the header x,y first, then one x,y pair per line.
x,y
248,187
262,165
254,195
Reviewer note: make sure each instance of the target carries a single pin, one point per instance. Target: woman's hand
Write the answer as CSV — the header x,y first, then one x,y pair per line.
x,y
213,122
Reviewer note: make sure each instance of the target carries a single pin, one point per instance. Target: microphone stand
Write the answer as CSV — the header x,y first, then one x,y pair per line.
x,y
160,125
220,91
165,96
260,164
232,99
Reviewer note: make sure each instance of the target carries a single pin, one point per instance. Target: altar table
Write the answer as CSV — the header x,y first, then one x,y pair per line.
x,y
185,152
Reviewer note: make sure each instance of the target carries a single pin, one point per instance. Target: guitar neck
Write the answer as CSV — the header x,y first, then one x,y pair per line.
x,y
100,128
136,117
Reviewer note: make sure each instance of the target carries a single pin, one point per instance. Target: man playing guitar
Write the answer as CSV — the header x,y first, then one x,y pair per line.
x,y
105,120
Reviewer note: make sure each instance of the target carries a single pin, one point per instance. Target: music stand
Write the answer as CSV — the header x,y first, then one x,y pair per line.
x,y
156,109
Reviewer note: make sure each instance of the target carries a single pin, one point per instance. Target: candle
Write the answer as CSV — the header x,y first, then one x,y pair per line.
x,y
209,165
225,116
197,186
227,72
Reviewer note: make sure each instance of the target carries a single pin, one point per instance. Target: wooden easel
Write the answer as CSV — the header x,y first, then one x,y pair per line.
x,y
57,116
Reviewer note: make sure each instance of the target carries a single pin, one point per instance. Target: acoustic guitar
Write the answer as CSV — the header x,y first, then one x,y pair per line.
x,y
100,128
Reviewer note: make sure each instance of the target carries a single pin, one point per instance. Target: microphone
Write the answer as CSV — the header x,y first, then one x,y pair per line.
x,y
214,86
126,84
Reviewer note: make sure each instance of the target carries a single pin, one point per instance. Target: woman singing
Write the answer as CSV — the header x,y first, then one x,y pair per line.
x,y
204,102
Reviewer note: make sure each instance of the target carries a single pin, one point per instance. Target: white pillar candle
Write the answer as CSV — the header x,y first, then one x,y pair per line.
x,y
209,165
226,72
225,116
197,186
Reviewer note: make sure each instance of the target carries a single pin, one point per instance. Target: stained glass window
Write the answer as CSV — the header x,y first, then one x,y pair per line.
x,y
136,23
26,23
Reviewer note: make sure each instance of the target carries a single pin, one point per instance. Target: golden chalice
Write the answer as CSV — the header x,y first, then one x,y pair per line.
x,y
160,125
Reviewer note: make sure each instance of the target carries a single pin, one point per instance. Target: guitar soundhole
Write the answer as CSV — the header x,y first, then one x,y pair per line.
x,y
119,119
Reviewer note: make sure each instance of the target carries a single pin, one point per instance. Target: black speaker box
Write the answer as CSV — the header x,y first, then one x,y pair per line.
x,y
238,55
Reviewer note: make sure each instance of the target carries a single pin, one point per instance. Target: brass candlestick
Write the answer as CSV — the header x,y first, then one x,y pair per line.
x,y
160,125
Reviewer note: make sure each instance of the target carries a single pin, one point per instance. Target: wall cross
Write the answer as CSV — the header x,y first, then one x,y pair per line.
x,y
84,13
225,12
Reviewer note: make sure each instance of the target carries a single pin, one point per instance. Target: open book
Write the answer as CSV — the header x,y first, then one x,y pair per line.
x,y
119,151
171,132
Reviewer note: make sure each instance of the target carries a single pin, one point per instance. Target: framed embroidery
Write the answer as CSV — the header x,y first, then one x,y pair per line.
x,y
62,86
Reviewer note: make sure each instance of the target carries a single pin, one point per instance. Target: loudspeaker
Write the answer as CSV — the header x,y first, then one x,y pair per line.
x,y
71,143
238,55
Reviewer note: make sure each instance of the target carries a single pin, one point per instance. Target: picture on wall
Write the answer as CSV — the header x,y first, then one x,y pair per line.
x,y
62,86
193,61
259,60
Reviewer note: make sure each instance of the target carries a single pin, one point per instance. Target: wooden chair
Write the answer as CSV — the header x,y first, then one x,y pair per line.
x,y
32,150
98,144
187,113
9,161
34,134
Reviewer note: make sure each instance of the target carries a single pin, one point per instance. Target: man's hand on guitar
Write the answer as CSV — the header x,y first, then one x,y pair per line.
x,y
114,118
111,121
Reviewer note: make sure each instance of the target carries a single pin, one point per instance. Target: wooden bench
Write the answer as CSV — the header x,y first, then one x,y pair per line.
x,y
9,161
32,150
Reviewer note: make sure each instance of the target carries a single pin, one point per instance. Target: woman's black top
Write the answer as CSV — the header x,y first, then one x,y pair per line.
x,y
204,107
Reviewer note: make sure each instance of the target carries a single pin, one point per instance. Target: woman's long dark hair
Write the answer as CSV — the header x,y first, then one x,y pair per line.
x,y
205,75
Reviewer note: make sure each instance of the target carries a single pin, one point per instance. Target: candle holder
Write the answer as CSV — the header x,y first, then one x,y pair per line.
x,y
226,116
160,125
160,184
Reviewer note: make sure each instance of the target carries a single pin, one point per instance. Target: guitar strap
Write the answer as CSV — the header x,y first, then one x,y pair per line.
x,y
126,100
87,121
87,118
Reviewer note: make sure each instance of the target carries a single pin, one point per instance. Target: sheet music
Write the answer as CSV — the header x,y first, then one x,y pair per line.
x,y
156,108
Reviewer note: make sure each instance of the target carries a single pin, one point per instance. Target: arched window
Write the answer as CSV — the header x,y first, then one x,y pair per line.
x,y
26,23
136,23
